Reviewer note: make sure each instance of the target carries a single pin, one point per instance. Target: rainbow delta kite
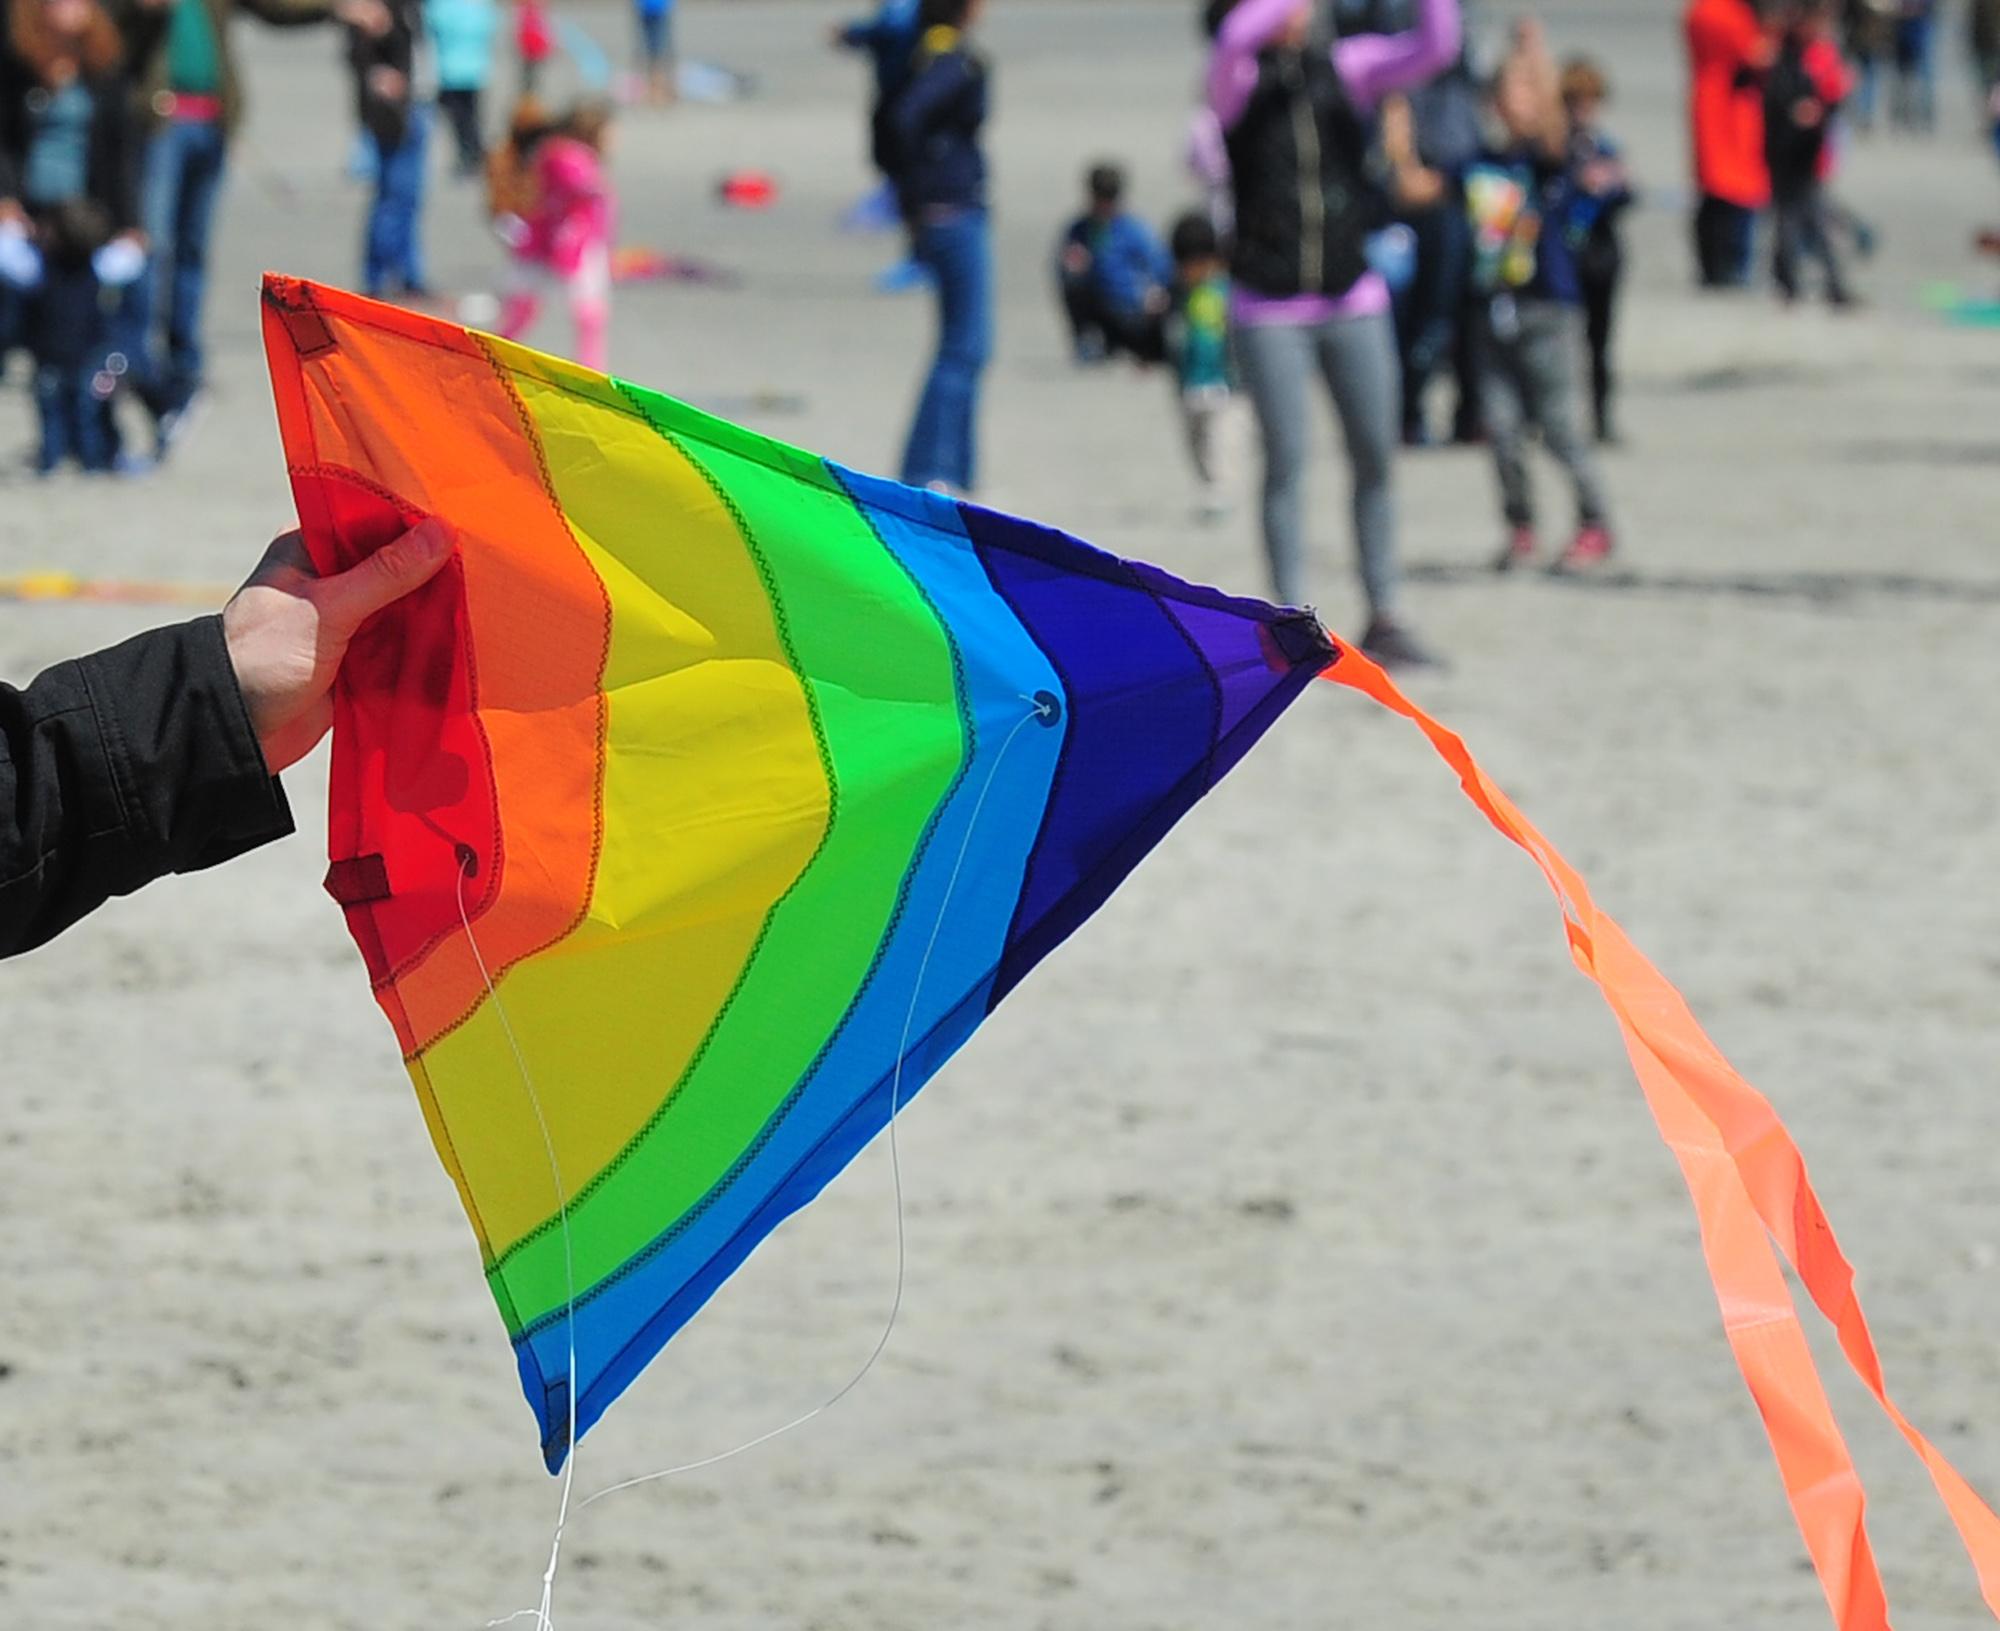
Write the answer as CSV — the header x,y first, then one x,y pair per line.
x,y
751,785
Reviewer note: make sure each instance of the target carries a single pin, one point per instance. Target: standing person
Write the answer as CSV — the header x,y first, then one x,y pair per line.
x,y
1520,196
1604,192
1432,313
534,43
67,207
190,101
1866,26
1982,31
656,49
1114,276
557,214
1294,112
1913,101
462,33
1728,52
1805,89
930,143
397,123
1198,341
888,38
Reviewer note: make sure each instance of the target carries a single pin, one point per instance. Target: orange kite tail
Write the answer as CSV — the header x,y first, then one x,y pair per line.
x,y
1750,1188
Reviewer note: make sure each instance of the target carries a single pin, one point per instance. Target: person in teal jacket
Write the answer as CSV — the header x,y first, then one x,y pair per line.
x,y
462,34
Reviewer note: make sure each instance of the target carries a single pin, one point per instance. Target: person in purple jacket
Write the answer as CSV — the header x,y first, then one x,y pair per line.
x,y
1296,118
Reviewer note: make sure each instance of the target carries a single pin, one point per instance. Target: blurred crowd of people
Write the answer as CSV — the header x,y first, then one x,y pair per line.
x,y
116,120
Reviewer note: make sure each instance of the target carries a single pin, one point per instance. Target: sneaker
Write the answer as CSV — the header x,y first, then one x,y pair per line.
x,y
1519,550
1590,548
1393,646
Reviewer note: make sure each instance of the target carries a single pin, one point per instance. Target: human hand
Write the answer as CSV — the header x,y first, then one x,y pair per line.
x,y
387,84
288,628
1806,113
1076,260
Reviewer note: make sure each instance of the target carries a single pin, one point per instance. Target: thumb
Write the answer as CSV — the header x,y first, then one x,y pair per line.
x,y
350,598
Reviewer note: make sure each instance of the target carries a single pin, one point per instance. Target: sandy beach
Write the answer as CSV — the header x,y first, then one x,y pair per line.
x,y
1293,1249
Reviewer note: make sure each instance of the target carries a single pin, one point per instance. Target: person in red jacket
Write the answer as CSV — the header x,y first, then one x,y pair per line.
x,y
1728,53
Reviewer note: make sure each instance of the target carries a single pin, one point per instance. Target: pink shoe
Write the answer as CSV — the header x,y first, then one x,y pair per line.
x,y
1518,551
1590,549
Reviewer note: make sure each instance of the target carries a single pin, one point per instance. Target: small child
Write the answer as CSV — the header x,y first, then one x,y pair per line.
x,y
1114,276
1802,93
553,208
1198,341
1603,194
1528,297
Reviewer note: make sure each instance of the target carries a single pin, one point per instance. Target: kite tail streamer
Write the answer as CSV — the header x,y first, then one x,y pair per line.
x,y
1749,1185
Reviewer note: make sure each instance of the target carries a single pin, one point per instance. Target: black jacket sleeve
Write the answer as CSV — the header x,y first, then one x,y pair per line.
x,y
118,768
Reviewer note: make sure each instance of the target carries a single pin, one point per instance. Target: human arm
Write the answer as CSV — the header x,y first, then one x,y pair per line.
x,y
1373,65
1536,84
159,755
1414,185
1232,66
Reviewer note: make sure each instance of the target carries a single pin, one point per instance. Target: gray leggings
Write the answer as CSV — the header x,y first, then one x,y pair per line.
x,y
1357,355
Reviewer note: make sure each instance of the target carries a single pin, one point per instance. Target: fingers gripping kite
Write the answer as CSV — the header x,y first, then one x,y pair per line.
x,y
726,790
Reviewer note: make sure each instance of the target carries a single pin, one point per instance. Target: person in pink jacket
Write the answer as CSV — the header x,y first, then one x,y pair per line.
x,y
563,233
1295,117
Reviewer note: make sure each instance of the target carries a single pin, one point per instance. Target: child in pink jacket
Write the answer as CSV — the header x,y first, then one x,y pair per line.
x,y
561,232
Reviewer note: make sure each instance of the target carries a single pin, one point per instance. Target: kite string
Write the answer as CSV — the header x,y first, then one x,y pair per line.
x,y
1040,708
544,1614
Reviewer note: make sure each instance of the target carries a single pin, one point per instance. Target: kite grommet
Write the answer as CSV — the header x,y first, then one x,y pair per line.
x,y
468,859
1048,707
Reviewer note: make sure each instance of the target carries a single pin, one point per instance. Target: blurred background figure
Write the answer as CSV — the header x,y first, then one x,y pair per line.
x,y
1433,331
191,101
656,49
1296,112
1728,51
1867,32
1982,40
888,38
462,36
1198,343
1603,194
69,235
930,140
1521,195
1113,275
534,42
1913,97
557,214
397,122
1802,93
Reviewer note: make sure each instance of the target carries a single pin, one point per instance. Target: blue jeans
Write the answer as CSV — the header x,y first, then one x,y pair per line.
x,y
392,256
181,175
66,326
957,253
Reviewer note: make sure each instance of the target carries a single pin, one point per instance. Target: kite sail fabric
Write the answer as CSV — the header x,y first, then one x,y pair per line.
x,y
710,798
751,784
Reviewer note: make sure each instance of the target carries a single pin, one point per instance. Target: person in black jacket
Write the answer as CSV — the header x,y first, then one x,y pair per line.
x,y
161,754
68,206
928,138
